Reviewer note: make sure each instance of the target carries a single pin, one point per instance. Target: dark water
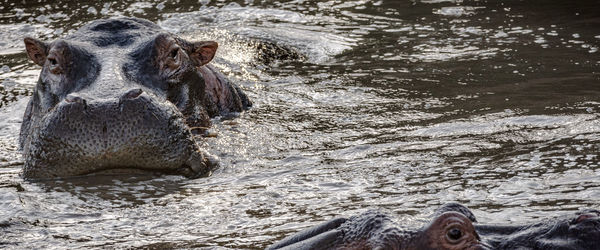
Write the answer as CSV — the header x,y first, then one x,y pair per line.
x,y
398,105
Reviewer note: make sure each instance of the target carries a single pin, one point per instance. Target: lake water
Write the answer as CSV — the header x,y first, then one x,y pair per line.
x,y
395,105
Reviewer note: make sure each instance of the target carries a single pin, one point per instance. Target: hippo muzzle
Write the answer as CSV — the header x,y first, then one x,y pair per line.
x,y
135,131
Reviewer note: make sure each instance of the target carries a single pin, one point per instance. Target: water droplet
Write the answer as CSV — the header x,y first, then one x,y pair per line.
x,y
4,69
92,10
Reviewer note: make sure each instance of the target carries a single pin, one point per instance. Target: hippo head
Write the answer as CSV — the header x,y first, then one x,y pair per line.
x,y
452,227
118,94
451,230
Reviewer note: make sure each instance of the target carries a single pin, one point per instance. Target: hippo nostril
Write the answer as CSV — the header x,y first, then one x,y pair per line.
x,y
132,94
585,217
74,99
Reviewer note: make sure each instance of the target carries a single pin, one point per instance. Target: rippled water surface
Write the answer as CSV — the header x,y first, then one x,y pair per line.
x,y
398,105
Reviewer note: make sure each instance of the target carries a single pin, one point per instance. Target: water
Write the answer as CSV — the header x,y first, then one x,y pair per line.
x,y
397,105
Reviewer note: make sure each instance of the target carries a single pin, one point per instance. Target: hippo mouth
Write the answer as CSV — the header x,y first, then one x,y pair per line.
x,y
137,134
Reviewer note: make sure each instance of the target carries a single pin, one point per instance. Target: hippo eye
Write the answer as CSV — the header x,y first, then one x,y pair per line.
x,y
52,61
454,234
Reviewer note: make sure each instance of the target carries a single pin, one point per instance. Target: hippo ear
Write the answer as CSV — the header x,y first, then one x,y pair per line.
x,y
203,52
36,50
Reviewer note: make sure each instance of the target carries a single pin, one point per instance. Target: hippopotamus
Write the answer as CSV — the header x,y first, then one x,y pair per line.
x,y
452,227
123,94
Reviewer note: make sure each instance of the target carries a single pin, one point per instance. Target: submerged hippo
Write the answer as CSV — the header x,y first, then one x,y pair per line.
x,y
122,94
451,228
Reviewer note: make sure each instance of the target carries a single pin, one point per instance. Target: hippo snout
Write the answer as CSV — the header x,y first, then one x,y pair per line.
x,y
134,130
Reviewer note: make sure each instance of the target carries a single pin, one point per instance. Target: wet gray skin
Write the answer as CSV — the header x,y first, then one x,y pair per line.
x,y
122,94
451,228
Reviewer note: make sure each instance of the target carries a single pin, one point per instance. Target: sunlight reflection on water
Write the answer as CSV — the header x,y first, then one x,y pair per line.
x,y
400,106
